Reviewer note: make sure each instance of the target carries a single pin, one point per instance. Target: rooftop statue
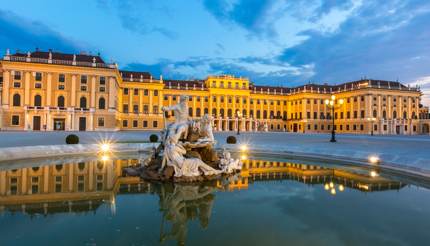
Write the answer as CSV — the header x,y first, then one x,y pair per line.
x,y
186,153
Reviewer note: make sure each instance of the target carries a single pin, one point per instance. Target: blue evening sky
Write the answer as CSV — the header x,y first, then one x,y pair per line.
x,y
273,42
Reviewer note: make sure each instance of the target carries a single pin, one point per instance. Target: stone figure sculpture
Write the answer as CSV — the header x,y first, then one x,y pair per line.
x,y
187,152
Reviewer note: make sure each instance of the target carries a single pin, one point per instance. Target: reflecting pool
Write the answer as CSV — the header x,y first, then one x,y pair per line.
x,y
273,201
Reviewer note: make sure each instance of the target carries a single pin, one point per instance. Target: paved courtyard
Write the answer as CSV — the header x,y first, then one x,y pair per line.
x,y
405,150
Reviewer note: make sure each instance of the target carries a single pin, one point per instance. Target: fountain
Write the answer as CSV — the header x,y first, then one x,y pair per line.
x,y
186,152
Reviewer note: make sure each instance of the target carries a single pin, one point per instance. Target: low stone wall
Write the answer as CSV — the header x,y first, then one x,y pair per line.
x,y
41,151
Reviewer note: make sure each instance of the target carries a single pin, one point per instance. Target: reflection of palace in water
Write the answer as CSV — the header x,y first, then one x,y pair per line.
x,y
86,185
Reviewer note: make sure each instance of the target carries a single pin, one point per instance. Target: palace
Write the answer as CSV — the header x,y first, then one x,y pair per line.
x,y
51,91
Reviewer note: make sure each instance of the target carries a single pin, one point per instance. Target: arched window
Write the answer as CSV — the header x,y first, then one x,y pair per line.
x,y
413,115
405,115
258,114
205,111
244,113
384,114
375,113
190,112
394,115
214,112
265,114
198,112
221,112
102,103
60,102
251,113
278,114
16,100
285,115
229,113
37,101
83,102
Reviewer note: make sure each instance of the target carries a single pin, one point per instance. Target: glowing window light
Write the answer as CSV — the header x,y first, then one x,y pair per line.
x,y
341,188
243,147
333,191
326,187
105,158
373,174
331,185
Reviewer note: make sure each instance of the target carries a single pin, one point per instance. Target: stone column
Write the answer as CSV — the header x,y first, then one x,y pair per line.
x,y
218,99
5,92
2,183
151,92
93,92
112,93
141,101
73,92
210,105
49,89
194,106
27,88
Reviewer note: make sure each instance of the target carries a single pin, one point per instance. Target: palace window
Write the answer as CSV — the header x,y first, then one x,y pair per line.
x,y
38,76
136,109
61,87
375,113
198,113
145,92
145,123
15,120
355,114
102,103
16,100
155,124
136,92
16,84
124,123
83,102
135,123
102,89
155,109
38,85
155,92
101,122
206,99
102,80
17,75
61,78
37,101
362,114
394,115
84,79
198,99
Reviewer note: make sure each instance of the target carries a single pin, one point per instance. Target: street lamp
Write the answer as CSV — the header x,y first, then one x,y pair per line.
x,y
238,114
331,103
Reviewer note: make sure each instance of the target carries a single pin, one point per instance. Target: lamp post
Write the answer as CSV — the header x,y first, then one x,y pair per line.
x,y
331,103
372,119
238,115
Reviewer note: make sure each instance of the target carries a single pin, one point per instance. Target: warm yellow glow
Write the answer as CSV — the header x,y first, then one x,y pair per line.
x,y
340,101
326,187
333,97
373,174
331,103
243,147
333,191
331,185
105,147
105,158
327,101
374,159
243,157
341,188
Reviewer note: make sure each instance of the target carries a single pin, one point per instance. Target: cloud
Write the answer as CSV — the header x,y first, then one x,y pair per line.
x,y
261,70
379,41
137,16
424,84
19,33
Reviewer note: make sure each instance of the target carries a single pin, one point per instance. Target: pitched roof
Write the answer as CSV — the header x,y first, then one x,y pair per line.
x,y
62,56
127,75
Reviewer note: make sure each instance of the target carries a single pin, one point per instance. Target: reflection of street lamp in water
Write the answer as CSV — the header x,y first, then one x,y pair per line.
x,y
238,114
332,105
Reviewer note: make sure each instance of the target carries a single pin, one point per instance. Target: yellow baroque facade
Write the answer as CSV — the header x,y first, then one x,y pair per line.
x,y
51,91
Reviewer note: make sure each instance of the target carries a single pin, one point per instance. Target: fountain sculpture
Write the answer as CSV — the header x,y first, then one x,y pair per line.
x,y
186,152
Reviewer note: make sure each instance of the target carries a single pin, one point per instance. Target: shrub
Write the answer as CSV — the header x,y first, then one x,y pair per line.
x,y
72,139
153,138
231,140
